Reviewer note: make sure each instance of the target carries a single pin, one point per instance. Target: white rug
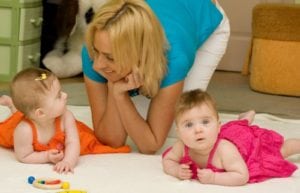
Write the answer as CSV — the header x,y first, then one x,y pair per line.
x,y
134,172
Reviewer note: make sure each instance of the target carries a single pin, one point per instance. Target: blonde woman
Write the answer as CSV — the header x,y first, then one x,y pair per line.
x,y
153,48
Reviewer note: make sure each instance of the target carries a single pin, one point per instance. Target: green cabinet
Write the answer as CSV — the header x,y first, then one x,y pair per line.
x,y
20,32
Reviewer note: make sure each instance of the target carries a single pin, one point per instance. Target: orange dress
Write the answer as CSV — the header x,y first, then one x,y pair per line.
x,y
88,142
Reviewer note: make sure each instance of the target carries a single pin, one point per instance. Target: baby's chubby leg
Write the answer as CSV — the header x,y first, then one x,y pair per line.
x,y
7,101
290,147
249,115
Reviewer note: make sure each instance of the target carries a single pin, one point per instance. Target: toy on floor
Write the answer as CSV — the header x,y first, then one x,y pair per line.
x,y
72,191
48,183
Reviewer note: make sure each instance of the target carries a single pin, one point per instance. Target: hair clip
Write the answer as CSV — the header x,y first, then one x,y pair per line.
x,y
43,76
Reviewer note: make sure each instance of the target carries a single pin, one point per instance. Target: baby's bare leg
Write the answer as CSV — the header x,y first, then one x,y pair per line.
x,y
7,101
249,115
290,147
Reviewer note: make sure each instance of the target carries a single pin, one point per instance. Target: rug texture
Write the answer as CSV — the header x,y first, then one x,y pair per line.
x,y
135,172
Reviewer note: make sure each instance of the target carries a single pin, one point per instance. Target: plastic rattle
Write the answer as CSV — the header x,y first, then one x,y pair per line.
x,y
72,191
48,183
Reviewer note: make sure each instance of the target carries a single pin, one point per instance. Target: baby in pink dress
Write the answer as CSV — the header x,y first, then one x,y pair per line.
x,y
233,154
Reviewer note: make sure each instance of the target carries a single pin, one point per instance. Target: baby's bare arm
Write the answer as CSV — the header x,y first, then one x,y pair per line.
x,y
236,171
171,163
23,146
72,145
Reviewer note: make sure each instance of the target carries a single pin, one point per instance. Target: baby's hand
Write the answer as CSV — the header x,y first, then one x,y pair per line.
x,y
63,167
55,155
184,172
206,176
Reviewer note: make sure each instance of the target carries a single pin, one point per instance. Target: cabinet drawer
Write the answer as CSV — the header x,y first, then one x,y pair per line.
x,y
18,2
29,1
6,59
20,31
6,23
30,23
29,56
22,56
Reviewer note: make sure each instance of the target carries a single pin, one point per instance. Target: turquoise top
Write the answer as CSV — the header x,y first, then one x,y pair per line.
x,y
187,24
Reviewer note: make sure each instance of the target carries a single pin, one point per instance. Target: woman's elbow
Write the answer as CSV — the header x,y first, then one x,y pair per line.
x,y
113,141
150,148
147,151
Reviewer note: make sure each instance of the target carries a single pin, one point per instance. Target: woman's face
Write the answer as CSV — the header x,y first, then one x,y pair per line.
x,y
103,60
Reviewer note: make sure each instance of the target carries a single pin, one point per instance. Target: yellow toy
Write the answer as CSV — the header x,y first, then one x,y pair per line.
x,y
48,183
72,191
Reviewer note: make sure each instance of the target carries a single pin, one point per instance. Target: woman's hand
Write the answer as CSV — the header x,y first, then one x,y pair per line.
x,y
131,81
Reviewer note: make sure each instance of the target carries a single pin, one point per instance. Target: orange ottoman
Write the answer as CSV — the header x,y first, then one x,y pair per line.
x,y
275,53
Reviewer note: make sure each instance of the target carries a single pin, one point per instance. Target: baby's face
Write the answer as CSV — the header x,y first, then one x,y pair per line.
x,y
198,127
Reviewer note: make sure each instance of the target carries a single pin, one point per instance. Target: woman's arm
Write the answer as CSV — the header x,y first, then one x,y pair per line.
x,y
106,121
150,134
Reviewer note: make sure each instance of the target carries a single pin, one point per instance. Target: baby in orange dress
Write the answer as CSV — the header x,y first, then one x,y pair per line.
x,y
41,128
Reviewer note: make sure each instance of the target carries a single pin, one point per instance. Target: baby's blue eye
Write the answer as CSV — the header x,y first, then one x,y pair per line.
x,y
188,125
205,122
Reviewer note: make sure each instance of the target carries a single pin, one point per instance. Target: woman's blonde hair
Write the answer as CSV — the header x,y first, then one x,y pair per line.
x,y
191,99
28,88
138,40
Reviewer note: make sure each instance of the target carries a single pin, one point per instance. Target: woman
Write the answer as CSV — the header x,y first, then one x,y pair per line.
x,y
148,47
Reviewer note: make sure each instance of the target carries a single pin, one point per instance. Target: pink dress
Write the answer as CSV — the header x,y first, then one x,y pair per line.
x,y
259,147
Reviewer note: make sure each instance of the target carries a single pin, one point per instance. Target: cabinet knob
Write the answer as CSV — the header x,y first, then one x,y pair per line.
x,y
36,22
34,58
